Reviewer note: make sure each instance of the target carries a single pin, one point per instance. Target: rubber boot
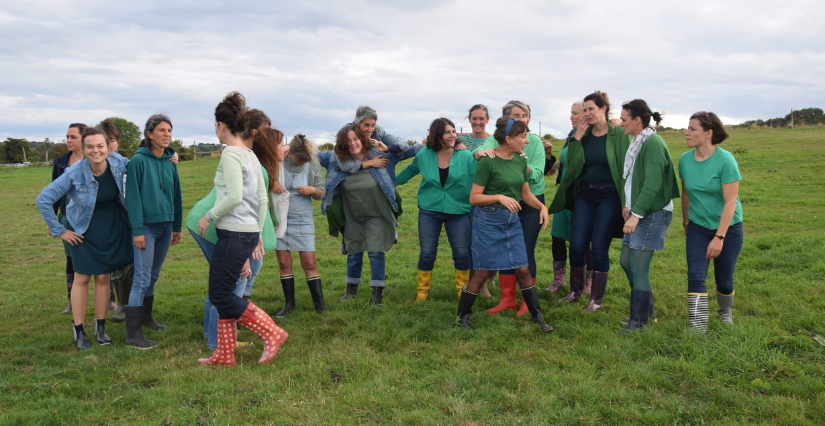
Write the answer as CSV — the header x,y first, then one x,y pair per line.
x,y
465,308
508,294
377,295
255,319
651,313
112,300
576,284
225,352
639,307
148,321
100,332
725,305
559,276
531,299
698,312
599,287
314,284
424,282
588,283
349,293
134,330
288,284
524,309
461,280
80,339
123,286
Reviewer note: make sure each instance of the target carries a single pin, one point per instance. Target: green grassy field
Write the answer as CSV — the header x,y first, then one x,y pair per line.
x,y
406,362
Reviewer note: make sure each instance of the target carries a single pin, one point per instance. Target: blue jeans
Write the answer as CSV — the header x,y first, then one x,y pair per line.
x,y
149,261
210,313
458,234
231,252
697,239
596,217
531,228
378,265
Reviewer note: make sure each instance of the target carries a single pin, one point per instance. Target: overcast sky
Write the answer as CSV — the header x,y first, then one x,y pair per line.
x,y
308,65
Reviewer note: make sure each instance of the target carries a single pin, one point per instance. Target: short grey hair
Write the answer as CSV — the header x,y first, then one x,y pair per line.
x,y
151,123
507,108
364,113
579,104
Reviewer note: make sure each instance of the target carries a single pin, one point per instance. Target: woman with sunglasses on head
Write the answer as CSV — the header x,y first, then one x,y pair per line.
x,y
711,216
500,184
239,215
650,187
443,201
97,230
590,189
60,165
304,180
529,215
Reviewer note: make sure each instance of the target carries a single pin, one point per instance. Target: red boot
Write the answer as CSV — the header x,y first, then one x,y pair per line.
x,y
524,310
255,319
508,294
225,353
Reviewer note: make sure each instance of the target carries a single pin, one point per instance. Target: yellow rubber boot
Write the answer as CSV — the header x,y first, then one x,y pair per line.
x,y
424,280
461,280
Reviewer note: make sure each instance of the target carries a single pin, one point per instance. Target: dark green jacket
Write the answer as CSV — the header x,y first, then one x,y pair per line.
x,y
568,189
153,190
654,182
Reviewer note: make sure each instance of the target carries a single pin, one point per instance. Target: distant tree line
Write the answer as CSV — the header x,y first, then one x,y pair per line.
x,y
802,117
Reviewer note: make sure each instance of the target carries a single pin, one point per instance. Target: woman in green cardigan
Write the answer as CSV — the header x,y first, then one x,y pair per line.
x,y
443,200
649,189
590,189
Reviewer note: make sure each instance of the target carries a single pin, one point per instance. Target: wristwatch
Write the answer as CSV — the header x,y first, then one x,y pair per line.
x,y
721,237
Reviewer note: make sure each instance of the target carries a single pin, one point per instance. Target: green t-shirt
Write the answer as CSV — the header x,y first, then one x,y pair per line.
x,y
596,167
703,182
502,177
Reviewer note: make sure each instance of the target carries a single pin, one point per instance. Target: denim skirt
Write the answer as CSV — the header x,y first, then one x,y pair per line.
x,y
650,232
498,240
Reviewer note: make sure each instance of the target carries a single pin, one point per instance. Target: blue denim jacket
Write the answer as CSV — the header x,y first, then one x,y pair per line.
x,y
384,176
81,187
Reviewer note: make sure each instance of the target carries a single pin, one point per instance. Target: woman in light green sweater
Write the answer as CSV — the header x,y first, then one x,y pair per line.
x,y
649,189
443,200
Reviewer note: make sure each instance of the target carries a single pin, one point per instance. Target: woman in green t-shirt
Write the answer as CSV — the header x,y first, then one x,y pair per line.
x,y
711,216
499,184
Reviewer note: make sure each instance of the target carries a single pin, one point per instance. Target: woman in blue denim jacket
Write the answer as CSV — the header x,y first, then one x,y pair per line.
x,y
98,232
374,230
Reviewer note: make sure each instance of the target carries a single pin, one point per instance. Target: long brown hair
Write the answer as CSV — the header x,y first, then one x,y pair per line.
x,y
265,145
342,142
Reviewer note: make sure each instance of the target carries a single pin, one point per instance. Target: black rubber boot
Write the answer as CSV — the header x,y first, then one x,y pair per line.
x,y
349,293
639,310
465,308
80,339
134,330
148,321
377,295
288,284
100,332
577,279
531,298
651,313
314,284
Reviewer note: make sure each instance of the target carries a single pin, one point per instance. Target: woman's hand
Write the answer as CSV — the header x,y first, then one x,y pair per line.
x,y
246,271
581,128
277,188
544,217
306,190
377,162
548,149
509,204
630,224
259,250
714,248
626,213
616,122
202,225
489,152
139,241
378,145
71,238
175,238
174,158
459,146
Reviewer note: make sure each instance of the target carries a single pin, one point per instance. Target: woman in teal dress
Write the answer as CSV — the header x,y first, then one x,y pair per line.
x,y
97,231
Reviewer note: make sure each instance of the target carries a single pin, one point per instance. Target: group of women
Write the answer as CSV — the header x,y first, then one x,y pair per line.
x,y
118,217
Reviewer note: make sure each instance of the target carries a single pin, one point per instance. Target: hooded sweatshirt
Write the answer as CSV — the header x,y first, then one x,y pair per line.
x,y
153,190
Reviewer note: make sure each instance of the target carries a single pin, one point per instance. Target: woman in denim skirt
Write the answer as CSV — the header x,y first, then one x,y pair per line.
x,y
650,187
711,215
500,183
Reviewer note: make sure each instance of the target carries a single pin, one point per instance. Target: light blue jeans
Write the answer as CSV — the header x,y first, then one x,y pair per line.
x,y
149,261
